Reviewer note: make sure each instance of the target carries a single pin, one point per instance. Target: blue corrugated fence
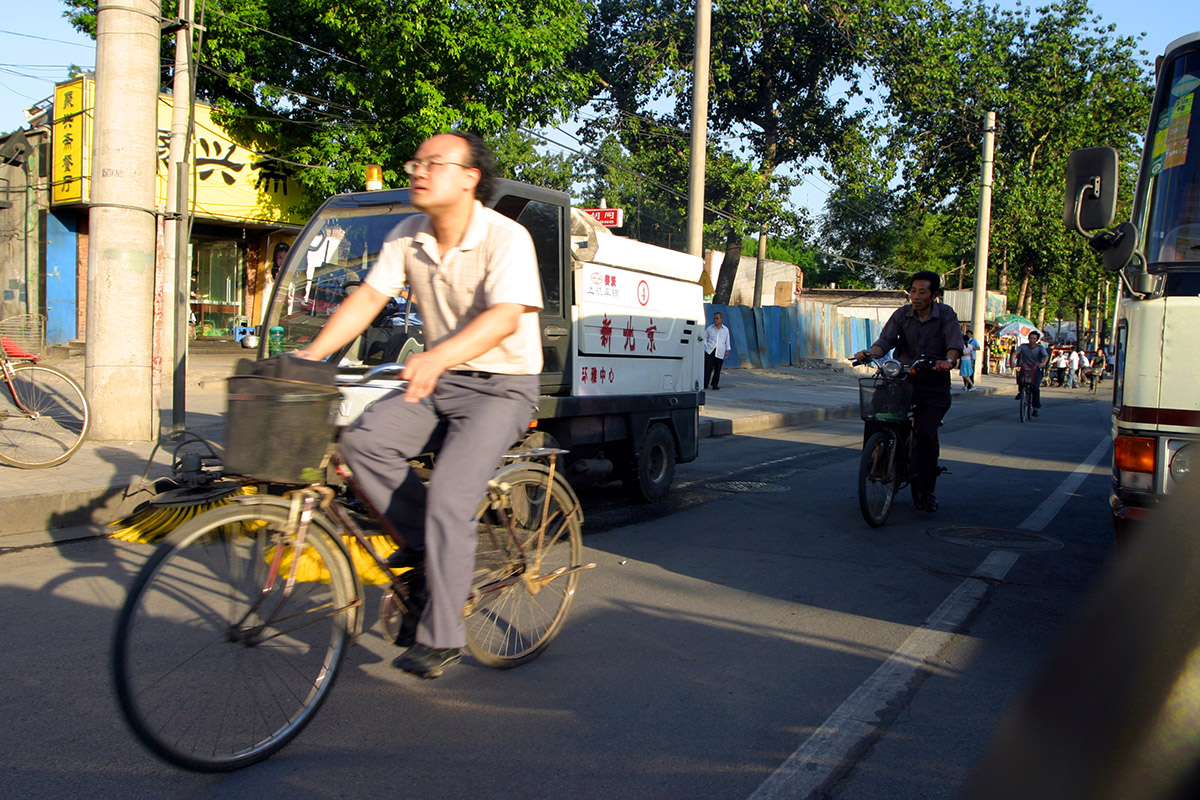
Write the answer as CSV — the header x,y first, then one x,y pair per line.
x,y
778,336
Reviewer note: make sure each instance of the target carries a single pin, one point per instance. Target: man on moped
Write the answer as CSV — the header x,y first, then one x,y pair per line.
x,y
924,327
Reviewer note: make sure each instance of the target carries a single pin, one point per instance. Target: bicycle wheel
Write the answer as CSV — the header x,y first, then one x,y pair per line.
x,y
523,586
877,479
43,417
1026,403
217,662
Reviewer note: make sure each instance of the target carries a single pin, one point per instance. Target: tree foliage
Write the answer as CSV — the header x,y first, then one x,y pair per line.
x,y
334,85
774,67
1057,77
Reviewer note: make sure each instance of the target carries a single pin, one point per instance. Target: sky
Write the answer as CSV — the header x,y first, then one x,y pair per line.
x,y
38,45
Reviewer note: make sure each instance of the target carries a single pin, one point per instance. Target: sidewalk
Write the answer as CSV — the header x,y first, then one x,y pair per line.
x,y
88,489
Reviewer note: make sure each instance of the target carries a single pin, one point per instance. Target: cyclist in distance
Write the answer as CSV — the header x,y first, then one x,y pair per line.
x,y
470,394
1032,354
924,327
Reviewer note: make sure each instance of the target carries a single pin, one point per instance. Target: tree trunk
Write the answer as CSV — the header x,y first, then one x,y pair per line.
x,y
729,268
1002,279
1041,320
1023,294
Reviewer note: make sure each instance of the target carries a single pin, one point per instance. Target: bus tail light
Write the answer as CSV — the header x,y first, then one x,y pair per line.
x,y
1133,461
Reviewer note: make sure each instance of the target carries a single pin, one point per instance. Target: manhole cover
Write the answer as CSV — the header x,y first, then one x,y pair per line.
x,y
747,486
996,538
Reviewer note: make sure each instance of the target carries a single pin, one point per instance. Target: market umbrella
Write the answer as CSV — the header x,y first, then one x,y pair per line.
x,y
1019,327
1005,319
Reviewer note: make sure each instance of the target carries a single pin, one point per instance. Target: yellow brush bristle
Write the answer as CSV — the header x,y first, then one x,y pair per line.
x,y
151,523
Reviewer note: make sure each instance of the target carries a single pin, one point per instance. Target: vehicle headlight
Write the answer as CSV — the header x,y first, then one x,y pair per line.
x,y
1186,459
892,369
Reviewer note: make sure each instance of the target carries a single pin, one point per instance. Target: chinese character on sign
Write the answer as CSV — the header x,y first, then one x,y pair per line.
x,y
594,371
583,378
628,331
69,99
272,175
650,331
213,160
606,332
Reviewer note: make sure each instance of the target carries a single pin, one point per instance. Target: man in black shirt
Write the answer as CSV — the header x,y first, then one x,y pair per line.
x,y
924,327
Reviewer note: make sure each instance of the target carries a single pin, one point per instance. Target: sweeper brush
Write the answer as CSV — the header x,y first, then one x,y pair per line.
x,y
158,517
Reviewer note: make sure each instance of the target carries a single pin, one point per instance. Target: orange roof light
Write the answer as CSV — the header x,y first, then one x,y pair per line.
x,y
374,176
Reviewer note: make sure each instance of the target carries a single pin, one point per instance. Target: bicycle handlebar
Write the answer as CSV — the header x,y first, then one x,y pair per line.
x,y
382,369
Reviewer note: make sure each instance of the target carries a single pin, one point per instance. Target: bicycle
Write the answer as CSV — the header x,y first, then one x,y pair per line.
x,y
44,415
885,405
234,631
1025,380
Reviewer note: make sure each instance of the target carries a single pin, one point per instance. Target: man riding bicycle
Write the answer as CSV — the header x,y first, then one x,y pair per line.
x,y
924,327
1034,356
470,394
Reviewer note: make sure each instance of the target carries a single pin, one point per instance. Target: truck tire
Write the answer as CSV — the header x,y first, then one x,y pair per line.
x,y
650,475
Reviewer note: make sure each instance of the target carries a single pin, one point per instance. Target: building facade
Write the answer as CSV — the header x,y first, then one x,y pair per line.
x,y
246,208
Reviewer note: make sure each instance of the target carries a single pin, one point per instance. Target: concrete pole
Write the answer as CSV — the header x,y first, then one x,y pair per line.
x,y
177,274
983,238
695,223
760,267
122,223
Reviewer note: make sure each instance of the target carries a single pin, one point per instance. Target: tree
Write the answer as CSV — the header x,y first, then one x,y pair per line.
x,y
772,98
333,85
1058,79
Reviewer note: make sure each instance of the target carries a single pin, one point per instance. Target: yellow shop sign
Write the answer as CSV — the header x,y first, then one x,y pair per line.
x,y
231,181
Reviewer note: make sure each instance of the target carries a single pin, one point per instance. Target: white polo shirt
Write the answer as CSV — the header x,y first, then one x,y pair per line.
x,y
494,263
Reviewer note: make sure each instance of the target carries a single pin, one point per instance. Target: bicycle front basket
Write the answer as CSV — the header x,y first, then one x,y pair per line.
x,y
278,430
884,399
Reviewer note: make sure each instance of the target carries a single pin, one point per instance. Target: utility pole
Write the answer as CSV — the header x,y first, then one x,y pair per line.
x,y
177,272
760,266
122,222
983,236
695,217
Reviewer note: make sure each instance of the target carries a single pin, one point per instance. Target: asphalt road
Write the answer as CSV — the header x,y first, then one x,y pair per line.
x,y
749,637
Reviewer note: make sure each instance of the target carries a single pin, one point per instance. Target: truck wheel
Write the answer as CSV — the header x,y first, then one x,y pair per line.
x,y
649,477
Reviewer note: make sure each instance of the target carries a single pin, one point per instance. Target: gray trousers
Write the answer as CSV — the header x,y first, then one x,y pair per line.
x,y
470,421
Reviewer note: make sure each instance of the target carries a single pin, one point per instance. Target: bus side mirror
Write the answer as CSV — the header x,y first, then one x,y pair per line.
x,y
1091,190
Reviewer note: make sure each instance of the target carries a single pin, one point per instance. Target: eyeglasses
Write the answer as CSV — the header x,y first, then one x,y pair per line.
x,y
414,164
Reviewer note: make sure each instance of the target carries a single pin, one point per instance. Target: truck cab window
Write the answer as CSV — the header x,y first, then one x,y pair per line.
x,y
544,223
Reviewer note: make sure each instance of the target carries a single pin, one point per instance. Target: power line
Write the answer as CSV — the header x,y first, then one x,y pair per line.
x,y
288,39
47,39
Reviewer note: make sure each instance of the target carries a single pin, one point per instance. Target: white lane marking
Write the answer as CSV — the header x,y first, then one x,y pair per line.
x,y
1050,507
856,721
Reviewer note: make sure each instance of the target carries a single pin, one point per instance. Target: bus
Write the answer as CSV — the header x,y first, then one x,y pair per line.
x,y
1156,390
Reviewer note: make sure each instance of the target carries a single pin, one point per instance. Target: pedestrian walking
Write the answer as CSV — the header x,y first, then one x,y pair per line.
x,y
966,365
1060,368
1073,369
716,350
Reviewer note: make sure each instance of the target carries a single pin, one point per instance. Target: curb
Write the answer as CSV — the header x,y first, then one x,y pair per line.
x,y
30,514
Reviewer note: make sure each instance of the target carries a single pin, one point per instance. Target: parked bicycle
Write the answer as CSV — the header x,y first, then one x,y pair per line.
x,y
1025,381
885,405
233,632
44,415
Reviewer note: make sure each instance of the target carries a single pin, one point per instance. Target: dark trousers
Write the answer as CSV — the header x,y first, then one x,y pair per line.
x,y
1035,386
931,401
712,369
471,421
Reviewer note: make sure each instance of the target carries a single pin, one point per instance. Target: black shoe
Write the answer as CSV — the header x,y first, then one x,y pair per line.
x,y
406,557
1035,412
716,388
1018,396
928,503
426,662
